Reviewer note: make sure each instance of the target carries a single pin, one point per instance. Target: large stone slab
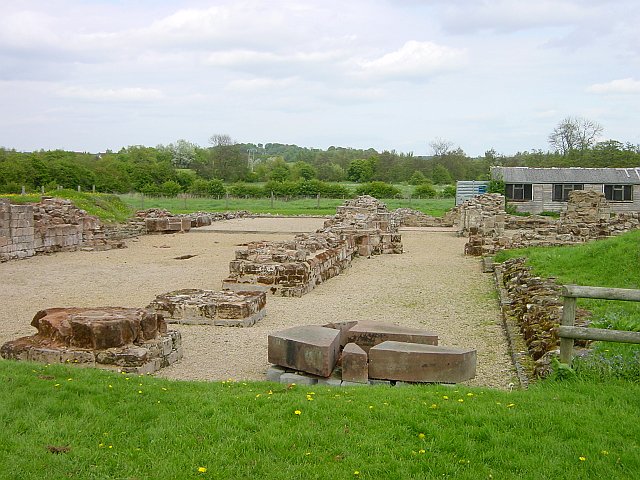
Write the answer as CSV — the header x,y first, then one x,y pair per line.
x,y
354,364
412,362
312,349
207,307
368,334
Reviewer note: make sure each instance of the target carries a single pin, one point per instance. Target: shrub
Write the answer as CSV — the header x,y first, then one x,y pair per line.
x,y
425,190
378,190
449,191
170,188
241,189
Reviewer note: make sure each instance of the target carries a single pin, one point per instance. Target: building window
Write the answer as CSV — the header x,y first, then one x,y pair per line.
x,y
618,193
561,191
518,191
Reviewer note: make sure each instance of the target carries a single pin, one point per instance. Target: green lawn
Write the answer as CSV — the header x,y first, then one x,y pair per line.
x,y
63,422
304,206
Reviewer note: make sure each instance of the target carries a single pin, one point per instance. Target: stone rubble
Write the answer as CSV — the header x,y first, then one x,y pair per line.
x,y
130,340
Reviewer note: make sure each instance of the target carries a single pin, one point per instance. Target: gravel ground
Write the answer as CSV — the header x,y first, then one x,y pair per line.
x,y
432,286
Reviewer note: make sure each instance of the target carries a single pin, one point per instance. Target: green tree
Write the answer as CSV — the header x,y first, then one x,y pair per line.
x,y
441,175
361,170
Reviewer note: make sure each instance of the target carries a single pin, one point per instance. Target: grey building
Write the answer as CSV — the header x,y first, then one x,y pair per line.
x,y
538,190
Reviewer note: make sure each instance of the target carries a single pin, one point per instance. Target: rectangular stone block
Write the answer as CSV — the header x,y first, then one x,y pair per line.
x,y
369,334
354,364
312,349
412,362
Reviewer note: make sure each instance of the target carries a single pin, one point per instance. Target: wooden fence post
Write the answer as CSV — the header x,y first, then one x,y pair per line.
x,y
568,319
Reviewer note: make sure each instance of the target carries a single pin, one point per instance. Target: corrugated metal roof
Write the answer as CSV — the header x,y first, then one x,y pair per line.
x,y
616,176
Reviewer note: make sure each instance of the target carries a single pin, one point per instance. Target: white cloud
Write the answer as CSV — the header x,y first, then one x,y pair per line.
x,y
621,86
126,94
415,60
257,84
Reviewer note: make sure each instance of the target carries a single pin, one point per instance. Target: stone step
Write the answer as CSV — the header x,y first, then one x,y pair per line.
x,y
412,362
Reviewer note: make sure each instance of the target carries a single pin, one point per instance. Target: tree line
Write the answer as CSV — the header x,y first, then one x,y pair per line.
x,y
229,166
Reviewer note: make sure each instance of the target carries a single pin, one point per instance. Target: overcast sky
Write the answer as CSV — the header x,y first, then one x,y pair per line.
x,y
102,74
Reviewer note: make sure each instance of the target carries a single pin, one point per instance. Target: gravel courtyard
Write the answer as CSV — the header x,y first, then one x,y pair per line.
x,y
432,286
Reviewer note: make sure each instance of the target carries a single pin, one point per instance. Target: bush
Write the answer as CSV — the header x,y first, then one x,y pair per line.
x,y
241,189
335,190
378,190
417,178
211,188
449,191
170,188
425,190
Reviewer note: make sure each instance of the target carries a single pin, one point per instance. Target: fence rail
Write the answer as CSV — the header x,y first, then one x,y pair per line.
x,y
568,332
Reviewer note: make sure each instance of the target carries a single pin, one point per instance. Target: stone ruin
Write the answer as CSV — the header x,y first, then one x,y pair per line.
x,y
52,225
289,268
406,217
157,220
293,268
206,307
535,306
587,217
130,340
360,353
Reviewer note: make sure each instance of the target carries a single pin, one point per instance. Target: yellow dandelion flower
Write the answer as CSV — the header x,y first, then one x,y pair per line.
x,y
258,395
445,397
57,385
433,405
604,452
461,400
511,405
469,394
582,459
139,391
421,435
422,450
370,407
297,412
356,472
110,386
202,469
270,392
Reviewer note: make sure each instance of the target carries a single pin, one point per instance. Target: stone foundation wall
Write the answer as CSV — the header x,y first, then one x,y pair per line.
x,y
535,305
52,225
292,268
405,217
587,217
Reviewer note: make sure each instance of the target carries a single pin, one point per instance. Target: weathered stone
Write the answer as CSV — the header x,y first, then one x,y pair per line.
x,y
354,364
310,349
298,379
344,328
368,334
274,373
412,362
207,307
130,339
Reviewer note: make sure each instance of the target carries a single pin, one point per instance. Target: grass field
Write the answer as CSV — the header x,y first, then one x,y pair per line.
x,y
303,206
63,422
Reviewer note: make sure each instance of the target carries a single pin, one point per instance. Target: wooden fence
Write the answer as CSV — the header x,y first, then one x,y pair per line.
x,y
568,332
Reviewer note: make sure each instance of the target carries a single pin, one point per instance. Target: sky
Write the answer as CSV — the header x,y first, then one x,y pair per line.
x,y
396,75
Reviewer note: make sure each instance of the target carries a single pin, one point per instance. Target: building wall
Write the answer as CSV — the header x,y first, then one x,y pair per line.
x,y
543,193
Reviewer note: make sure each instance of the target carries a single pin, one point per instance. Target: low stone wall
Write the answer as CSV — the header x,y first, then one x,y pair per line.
x,y
535,305
362,226
406,217
52,225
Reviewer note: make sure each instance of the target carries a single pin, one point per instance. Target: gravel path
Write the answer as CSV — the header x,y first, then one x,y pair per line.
x,y
432,286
